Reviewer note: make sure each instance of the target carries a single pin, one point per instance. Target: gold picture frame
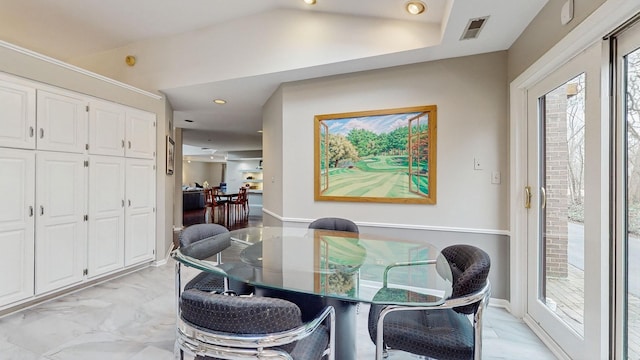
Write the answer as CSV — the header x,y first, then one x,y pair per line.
x,y
386,156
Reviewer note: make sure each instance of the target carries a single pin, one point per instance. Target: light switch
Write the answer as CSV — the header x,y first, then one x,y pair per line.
x,y
495,177
477,165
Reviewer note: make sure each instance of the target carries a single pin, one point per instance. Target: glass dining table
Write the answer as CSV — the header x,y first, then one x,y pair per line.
x,y
325,267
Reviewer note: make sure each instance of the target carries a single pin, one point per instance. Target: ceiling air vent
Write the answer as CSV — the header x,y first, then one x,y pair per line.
x,y
472,30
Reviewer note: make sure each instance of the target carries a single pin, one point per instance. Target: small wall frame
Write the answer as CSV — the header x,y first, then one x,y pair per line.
x,y
170,155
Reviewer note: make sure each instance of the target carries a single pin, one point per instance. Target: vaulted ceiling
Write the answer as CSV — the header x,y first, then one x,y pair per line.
x,y
195,51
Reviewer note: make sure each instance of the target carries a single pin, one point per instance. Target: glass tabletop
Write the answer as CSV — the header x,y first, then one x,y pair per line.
x,y
342,265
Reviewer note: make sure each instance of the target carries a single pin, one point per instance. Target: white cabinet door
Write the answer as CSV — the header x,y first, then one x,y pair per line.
x,y
106,214
62,122
141,134
18,117
16,224
61,231
140,220
106,128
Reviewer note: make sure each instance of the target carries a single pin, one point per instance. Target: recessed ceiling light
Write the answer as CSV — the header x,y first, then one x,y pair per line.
x,y
310,2
189,161
415,7
259,131
220,101
188,121
211,157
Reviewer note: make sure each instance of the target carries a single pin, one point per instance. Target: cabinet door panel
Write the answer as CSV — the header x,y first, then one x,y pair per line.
x,y
141,134
106,129
106,214
17,183
18,119
61,232
139,244
140,211
62,122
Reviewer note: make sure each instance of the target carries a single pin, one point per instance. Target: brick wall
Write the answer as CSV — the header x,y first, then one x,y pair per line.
x,y
557,183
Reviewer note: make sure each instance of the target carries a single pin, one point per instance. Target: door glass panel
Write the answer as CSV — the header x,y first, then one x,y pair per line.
x,y
561,264
632,241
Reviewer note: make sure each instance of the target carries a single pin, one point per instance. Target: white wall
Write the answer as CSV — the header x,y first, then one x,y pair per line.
x,y
544,31
234,175
199,171
272,157
177,177
471,95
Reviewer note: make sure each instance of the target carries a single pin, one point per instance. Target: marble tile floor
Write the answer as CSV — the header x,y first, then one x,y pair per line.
x,y
133,318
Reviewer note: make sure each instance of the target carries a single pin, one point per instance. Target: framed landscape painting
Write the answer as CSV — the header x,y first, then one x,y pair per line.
x,y
386,156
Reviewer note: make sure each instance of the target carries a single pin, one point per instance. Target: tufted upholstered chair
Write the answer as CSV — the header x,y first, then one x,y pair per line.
x,y
445,331
208,281
333,223
216,326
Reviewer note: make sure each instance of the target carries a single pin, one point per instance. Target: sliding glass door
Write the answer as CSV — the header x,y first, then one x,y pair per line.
x,y
628,195
566,196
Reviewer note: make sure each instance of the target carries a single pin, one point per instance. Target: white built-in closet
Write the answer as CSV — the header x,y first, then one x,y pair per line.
x,y
77,188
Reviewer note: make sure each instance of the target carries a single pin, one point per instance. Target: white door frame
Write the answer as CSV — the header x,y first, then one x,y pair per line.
x,y
627,42
606,18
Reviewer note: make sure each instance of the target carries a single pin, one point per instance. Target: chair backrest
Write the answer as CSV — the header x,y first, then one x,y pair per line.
x,y
470,268
242,195
333,223
208,197
198,232
239,314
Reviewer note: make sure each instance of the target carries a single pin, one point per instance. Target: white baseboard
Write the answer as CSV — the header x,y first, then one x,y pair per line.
x,y
500,303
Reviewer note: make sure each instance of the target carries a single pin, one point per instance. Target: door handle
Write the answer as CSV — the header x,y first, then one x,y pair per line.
x,y
41,133
543,196
41,210
31,131
129,202
129,144
527,197
123,143
30,211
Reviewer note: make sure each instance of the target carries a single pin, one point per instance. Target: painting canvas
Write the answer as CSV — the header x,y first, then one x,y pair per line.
x,y
376,156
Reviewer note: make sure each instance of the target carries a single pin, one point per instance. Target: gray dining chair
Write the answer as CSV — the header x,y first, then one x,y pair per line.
x,y
334,223
444,331
216,326
206,281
